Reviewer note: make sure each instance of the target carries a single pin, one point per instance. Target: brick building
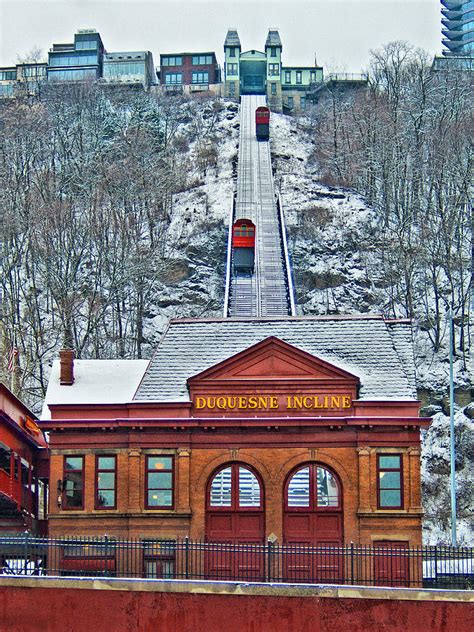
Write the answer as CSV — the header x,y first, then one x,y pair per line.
x,y
189,72
295,429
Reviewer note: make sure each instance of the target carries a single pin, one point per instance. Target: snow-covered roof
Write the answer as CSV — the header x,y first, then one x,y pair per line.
x,y
402,339
95,382
379,352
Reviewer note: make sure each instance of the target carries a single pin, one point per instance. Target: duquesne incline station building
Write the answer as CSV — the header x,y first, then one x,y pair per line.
x,y
294,429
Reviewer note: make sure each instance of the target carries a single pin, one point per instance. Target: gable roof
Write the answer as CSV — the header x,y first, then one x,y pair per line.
x,y
377,351
253,55
272,359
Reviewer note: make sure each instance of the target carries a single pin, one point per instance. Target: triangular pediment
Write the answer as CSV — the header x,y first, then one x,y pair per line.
x,y
253,55
273,359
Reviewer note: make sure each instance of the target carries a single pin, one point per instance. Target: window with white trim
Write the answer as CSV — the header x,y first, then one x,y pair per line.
x,y
235,487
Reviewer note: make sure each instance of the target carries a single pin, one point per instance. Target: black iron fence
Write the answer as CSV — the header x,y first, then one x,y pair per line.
x,y
383,565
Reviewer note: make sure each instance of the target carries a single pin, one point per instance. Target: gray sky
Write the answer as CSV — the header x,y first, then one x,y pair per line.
x,y
339,32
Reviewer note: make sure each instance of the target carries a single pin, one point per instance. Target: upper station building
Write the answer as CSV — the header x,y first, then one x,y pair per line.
x,y
295,429
256,72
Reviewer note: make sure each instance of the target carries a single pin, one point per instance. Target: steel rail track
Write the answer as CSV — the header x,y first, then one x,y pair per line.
x,y
265,292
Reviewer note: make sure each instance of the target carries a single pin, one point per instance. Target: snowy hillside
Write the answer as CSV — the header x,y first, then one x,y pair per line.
x,y
117,209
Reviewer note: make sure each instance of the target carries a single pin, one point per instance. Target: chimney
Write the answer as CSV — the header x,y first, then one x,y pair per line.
x,y
66,372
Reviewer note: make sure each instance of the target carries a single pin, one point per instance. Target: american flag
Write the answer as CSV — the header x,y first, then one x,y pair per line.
x,y
14,353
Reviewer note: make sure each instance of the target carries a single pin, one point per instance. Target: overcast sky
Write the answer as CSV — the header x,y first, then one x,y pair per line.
x,y
339,32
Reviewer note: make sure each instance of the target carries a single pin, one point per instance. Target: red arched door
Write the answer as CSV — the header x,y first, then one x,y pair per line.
x,y
313,518
235,516
235,506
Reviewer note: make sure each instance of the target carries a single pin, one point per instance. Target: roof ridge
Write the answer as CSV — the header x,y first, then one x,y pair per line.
x,y
256,319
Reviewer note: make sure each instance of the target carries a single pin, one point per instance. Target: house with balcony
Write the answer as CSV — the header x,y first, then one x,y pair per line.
x,y
24,79
189,72
129,68
296,82
8,76
24,468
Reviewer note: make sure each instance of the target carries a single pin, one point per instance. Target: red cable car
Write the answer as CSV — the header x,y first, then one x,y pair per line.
x,y
262,123
243,244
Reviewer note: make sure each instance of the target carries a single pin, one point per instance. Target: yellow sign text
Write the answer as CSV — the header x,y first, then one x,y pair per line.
x,y
272,402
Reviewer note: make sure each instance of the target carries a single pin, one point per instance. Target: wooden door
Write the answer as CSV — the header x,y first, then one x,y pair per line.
x,y
391,563
313,526
234,522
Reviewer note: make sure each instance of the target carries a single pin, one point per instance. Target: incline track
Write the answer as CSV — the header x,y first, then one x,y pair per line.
x,y
265,292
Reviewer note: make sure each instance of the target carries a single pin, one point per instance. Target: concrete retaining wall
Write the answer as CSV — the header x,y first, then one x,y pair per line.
x,y
87,605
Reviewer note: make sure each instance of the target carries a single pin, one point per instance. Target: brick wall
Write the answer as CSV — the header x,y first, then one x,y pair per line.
x,y
187,68
196,461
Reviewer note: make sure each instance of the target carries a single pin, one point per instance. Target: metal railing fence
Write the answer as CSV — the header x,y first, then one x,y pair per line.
x,y
384,565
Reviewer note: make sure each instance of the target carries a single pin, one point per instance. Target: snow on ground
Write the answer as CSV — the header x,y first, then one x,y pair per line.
x,y
436,479
330,231
199,228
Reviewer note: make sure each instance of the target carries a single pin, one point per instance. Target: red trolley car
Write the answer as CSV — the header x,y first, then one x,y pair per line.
x,y
262,123
243,244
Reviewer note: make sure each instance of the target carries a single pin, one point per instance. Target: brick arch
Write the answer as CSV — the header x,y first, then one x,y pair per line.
x,y
243,458
238,463
323,459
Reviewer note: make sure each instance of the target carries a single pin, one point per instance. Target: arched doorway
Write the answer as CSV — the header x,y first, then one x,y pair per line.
x,y
313,517
234,516
235,506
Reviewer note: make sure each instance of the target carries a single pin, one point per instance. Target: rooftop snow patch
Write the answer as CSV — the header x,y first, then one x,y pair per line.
x,y
379,352
95,382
